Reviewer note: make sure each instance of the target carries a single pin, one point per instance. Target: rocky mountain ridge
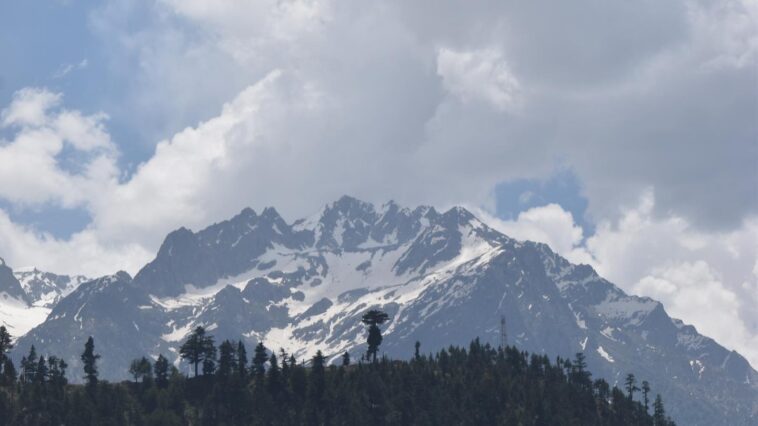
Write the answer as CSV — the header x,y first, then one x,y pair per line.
x,y
444,278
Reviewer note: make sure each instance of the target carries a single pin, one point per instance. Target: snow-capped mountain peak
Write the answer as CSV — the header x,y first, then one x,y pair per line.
x,y
27,296
45,288
444,278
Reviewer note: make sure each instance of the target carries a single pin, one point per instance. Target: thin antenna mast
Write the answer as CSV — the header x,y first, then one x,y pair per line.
x,y
503,333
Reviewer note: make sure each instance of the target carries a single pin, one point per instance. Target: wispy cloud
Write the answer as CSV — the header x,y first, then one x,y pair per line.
x,y
67,69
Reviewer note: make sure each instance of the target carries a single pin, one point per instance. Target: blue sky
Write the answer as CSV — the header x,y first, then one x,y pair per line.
x,y
622,134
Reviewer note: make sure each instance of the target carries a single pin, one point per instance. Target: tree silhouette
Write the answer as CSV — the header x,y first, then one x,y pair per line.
x,y
199,348
209,364
259,360
160,368
241,359
29,366
89,360
645,392
227,361
631,385
5,343
479,384
579,373
274,376
659,413
317,383
57,372
346,359
41,372
373,319
141,369
9,373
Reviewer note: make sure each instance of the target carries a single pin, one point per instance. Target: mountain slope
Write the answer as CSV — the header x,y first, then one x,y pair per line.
x,y
444,278
27,296
10,288
16,312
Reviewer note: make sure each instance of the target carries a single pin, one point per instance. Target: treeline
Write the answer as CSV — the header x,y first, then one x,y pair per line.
x,y
478,385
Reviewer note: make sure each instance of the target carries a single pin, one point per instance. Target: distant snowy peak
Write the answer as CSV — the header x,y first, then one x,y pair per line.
x,y
27,296
224,249
242,243
352,225
46,288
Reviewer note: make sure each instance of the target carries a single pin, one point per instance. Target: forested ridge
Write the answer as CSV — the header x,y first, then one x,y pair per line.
x,y
478,385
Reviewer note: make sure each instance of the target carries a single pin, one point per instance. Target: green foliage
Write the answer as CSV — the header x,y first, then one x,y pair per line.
x,y
141,369
456,386
373,319
659,413
89,361
227,361
259,360
199,350
5,343
631,385
161,370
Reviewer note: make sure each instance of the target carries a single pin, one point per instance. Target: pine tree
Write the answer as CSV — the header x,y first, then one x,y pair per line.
x,y
373,319
141,369
645,392
298,379
89,360
602,392
41,372
57,373
227,361
209,355
209,366
631,385
259,360
417,352
160,368
346,359
241,360
29,366
6,343
579,373
318,363
199,348
285,367
9,375
274,377
659,413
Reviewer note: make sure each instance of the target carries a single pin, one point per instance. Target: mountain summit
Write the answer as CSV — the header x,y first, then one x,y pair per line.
x,y
443,277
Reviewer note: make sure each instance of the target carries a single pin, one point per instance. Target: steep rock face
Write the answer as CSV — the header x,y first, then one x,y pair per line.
x,y
10,288
444,278
221,250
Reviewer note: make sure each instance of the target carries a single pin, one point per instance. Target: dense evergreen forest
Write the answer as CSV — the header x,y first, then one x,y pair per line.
x,y
478,385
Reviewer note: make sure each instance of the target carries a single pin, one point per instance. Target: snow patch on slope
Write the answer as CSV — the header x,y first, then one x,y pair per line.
x,y
605,354
18,317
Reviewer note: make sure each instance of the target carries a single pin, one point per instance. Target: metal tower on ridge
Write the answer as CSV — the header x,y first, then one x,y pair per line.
x,y
503,334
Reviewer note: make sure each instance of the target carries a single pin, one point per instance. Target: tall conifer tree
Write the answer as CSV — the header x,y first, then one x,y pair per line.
x,y
373,319
89,361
